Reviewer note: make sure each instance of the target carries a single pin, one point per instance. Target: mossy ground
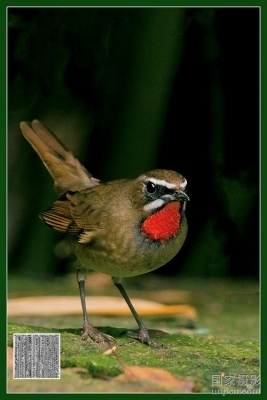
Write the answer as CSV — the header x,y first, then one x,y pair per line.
x,y
225,341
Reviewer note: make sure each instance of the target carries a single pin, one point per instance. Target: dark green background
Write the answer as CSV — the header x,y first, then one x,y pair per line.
x,y
22,229
131,89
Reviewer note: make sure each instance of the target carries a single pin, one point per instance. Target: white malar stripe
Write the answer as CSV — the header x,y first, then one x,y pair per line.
x,y
161,182
154,205
168,196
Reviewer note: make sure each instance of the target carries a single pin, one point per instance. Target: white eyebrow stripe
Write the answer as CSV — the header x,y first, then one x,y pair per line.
x,y
161,182
154,205
183,184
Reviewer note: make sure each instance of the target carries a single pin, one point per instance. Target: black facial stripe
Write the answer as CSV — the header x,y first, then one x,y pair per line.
x,y
154,191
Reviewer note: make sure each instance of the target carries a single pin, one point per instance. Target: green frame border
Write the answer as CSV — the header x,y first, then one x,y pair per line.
x,y
3,162
134,3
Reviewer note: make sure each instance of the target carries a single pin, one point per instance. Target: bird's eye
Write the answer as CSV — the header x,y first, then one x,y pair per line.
x,y
150,187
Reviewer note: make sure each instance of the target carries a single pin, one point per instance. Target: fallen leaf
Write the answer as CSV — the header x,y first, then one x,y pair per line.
x,y
9,356
97,305
155,380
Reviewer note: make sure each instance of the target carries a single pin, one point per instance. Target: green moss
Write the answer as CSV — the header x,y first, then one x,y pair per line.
x,y
196,357
225,340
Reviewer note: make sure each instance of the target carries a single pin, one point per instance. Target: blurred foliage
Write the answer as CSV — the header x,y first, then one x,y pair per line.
x,y
131,89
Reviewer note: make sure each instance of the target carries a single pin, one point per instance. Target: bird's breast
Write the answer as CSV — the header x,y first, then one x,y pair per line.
x,y
126,251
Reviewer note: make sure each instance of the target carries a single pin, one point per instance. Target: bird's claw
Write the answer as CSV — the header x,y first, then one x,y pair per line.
x,y
144,337
97,336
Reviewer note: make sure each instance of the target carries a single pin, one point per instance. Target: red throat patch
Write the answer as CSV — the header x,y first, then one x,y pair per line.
x,y
163,224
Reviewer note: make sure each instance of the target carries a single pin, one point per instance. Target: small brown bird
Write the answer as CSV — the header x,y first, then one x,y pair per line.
x,y
122,228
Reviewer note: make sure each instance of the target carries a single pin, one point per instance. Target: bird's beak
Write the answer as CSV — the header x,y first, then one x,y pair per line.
x,y
182,196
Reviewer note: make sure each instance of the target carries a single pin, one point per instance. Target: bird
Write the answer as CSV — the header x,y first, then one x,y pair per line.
x,y
122,228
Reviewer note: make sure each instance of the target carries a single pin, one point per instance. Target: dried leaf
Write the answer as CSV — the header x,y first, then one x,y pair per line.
x,y
97,305
150,379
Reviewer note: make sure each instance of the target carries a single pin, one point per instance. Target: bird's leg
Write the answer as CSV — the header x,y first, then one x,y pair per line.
x,y
88,329
143,334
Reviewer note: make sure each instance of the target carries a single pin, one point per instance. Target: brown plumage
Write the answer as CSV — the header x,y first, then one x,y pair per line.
x,y
123,228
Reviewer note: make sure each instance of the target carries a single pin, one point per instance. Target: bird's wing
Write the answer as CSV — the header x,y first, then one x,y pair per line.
x,y
76,214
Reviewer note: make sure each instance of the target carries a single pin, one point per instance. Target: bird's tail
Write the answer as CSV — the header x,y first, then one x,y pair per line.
x,y
65,169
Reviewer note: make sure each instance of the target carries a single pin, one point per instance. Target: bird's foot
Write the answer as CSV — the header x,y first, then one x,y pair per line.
x,y
97,336
144,337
